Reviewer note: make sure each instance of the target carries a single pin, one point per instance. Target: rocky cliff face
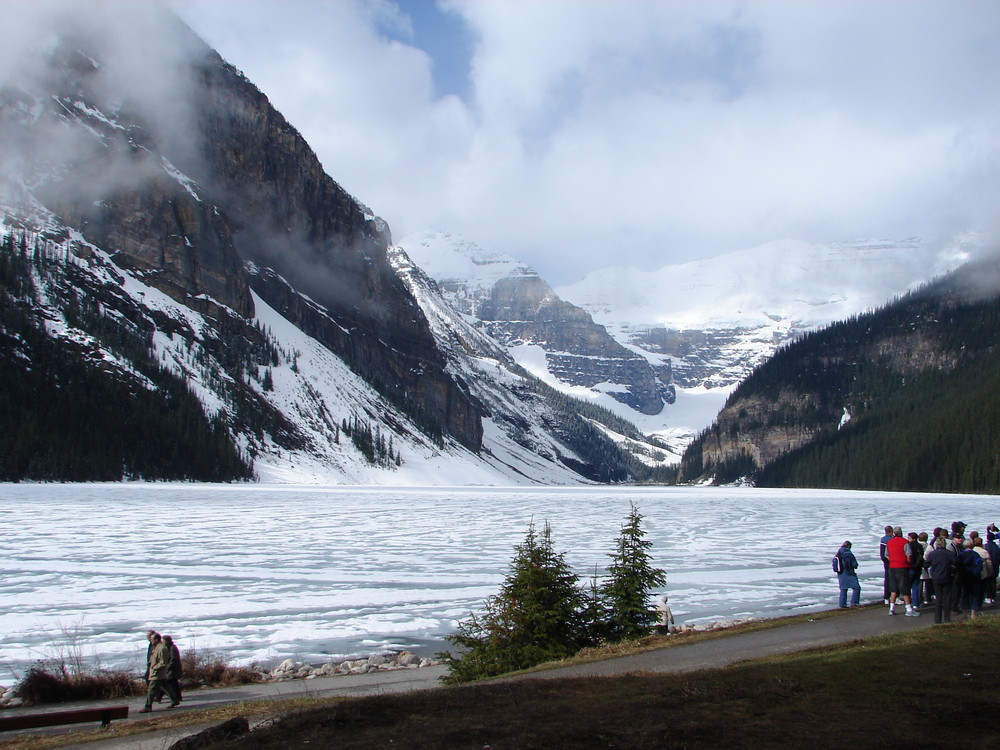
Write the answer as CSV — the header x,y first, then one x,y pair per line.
x,y
291,217
518,308
186,192
547,426
104,175
712,357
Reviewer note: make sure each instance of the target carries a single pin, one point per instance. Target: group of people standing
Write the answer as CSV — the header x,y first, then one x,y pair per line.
x,y
163,671
955,572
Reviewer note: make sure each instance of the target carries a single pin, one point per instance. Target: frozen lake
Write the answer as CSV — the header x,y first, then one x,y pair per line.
x,y
261,573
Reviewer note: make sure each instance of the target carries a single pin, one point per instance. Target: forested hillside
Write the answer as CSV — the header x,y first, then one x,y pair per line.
x,y
67,413
902,398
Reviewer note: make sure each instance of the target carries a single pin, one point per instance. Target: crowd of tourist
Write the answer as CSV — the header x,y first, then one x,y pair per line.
x,y
954,572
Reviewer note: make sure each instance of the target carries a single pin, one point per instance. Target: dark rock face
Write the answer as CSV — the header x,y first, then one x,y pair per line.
x,y
525,309
290,216
107,178
180,245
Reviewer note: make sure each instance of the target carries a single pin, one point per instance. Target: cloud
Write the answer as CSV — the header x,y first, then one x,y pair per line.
x,y
136,68
610,132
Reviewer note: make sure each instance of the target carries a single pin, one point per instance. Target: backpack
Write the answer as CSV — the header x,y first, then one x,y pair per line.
x,y
916,553
971,563
838,564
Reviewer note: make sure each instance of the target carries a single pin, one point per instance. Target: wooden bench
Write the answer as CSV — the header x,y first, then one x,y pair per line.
x,y
55,718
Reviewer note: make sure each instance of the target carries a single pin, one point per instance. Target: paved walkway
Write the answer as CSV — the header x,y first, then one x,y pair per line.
x,y
844,627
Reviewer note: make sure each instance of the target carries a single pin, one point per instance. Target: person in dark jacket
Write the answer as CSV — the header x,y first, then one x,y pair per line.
x,y
175,670
955,545
941,562
994,552
915,554
970,564
848,576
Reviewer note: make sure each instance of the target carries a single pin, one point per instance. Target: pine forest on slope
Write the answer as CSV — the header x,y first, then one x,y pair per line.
x,y
903,398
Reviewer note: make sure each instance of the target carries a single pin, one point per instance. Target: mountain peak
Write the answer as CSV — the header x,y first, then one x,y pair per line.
x,y
446,256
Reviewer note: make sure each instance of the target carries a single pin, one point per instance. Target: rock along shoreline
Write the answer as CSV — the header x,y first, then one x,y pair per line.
x,y
290,669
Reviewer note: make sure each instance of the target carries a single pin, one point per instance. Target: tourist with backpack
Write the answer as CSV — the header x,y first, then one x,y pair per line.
x,y
845,565
987,576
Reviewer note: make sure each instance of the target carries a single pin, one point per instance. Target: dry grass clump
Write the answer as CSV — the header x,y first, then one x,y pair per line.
x,y
45,683
59,681
205,668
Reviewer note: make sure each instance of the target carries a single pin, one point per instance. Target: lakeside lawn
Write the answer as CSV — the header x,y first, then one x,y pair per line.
x,y
927,688
931,687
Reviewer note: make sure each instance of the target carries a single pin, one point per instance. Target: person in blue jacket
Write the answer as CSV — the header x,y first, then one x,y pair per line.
x,y
848,576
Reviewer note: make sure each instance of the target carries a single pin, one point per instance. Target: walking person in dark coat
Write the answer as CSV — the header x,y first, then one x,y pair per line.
x,y
175,669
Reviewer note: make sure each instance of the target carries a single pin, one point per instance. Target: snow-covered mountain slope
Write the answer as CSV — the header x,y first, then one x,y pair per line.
x,y
783,282
553,339
529,431
313,398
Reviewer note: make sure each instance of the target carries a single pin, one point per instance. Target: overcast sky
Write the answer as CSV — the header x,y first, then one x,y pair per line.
x,y
580,134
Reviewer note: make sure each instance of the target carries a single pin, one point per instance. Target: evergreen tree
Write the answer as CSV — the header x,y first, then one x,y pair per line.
x,y
536,617
631,577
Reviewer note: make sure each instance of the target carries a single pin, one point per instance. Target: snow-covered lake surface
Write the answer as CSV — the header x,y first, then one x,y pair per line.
x,y
260,573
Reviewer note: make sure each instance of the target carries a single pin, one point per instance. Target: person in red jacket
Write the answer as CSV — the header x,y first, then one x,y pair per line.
x,y
899,573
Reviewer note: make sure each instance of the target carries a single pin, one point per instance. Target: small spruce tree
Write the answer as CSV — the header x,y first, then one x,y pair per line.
x,y
536,617
631,577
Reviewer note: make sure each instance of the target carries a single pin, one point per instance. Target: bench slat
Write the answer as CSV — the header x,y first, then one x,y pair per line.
x,y
55,718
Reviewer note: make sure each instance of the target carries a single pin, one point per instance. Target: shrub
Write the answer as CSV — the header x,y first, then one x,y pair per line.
x,y
207,668
631,577
536,617
57,684
542,614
